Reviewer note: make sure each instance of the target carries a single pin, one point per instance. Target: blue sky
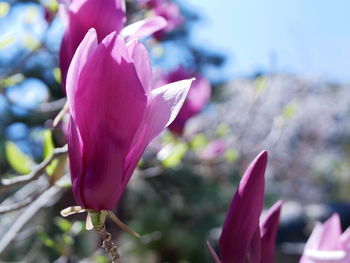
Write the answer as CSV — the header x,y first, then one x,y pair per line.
x,y
309,37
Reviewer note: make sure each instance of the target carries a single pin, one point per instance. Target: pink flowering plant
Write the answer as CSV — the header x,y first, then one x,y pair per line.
x,y
128,130
244,237
327,243
122,83
106,17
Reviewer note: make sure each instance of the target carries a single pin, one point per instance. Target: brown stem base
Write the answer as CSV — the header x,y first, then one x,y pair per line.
x,y
110,247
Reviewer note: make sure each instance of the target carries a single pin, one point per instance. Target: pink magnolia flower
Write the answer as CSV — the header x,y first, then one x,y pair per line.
x,y
327,243
149,3
105,16
171,12
197,98
213,150
243,239
114,114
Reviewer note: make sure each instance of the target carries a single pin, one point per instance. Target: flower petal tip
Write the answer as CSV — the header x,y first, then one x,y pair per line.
x,y
162,21
280,202
259,163
264,155
111,37
261,160
92,30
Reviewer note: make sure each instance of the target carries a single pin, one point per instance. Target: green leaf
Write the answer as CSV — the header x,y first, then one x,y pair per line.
x,y
52,5
12,80
64,183
140,164
157,51
168,137
48,151
289,110
57,74
222,130
68,240
6,41
30,42
48,143
48,241
172,154
231,155
101,259
199,141
4,9
260,84
31,15
63,224
18,160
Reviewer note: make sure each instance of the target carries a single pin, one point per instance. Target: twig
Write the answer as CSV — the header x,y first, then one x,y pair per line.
x,y
48,196
51,106
61,114
20,204
35,173
19,66
122,225
150,172
24,192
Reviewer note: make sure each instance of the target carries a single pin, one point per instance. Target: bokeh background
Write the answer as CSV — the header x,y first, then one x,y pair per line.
x,y
280,81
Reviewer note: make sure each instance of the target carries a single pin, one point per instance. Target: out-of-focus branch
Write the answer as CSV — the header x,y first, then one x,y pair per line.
x,y
18,67
51,106
35,173
49,196
150,172
22,203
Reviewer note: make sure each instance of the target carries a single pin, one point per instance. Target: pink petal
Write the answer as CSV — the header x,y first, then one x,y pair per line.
x,y
213,150
165,104
242,218
142,63
312,243
269,228
213,253
75,146
315,237
106,16
345,238
109,105
171,12
196,100
85,49
200,94
144,28
80,15
345,241
324,237
330,239
253,254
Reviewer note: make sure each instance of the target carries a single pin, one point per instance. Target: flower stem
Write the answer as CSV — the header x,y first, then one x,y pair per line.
x,y
110,247
98,221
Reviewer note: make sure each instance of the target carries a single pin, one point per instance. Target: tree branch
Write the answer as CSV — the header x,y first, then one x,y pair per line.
x,y
49,196
35,173
52,106
15,206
